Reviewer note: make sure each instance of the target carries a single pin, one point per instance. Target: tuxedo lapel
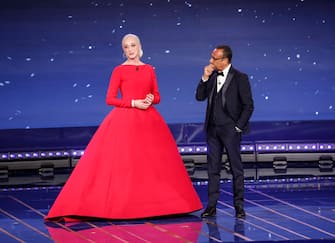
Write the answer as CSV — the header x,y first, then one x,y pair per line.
x,y
226,85
210,98
228,80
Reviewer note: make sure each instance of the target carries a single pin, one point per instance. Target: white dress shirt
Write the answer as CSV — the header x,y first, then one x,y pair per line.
x,y
222,79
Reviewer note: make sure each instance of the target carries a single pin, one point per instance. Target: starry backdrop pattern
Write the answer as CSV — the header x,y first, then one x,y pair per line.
x,y
56,57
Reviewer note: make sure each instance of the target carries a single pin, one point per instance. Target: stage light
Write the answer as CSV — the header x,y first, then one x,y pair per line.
x,y
326,163
187,150
46,171
77,153
27,155
4,156
302,147
279,164
54,154
189,165
3,173
327,146
17,156
200,149
66,154
267,148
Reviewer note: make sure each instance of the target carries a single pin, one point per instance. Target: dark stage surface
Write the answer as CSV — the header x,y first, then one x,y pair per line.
x,y
298,208
288,210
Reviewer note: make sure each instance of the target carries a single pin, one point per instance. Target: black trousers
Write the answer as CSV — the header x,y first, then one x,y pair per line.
x,y
219,137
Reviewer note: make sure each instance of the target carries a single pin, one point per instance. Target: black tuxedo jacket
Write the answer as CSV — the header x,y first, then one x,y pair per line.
x,y
237,97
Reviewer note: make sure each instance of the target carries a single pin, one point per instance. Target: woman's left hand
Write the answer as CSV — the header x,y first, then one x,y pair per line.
x,y
149,98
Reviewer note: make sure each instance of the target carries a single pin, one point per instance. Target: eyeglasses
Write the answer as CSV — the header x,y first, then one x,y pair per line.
x,y
219,58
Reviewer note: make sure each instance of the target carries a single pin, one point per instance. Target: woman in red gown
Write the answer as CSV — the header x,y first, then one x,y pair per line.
x,y
131,168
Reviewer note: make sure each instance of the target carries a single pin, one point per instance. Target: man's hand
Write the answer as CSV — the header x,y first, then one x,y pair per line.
x,y
208,70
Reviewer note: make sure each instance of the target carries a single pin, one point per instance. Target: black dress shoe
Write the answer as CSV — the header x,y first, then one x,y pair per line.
x,y
209,212
240,213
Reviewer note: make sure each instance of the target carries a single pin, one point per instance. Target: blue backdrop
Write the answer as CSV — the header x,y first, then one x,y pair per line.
x,y
56,57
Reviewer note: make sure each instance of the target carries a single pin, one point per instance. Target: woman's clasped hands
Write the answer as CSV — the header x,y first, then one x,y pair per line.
x,y
143,103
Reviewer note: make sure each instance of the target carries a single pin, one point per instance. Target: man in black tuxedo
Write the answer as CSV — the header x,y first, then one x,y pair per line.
x,y
229,108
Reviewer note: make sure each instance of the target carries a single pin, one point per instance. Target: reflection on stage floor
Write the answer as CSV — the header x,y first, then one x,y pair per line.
x,y
297,210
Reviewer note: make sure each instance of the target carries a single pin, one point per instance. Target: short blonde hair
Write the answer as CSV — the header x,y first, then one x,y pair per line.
x,y
137,39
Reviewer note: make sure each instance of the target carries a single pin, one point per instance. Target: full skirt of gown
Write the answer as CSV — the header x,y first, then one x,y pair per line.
x,y
130,169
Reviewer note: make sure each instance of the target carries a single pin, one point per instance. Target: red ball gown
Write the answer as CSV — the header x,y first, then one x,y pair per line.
x,y
131,168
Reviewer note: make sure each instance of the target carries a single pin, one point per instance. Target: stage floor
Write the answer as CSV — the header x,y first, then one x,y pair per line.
x,y
288,210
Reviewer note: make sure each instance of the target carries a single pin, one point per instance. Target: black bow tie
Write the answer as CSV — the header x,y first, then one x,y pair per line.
x,y
220,73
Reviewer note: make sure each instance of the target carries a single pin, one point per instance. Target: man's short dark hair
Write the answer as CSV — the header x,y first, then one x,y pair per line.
x,y
227,52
